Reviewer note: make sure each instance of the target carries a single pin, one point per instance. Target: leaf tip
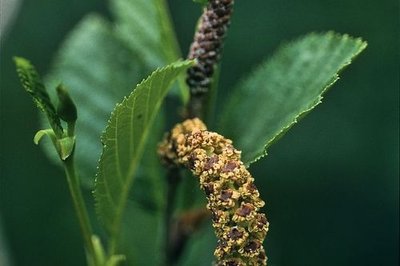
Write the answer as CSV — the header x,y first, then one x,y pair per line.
x,y
38,136
44,132
20,60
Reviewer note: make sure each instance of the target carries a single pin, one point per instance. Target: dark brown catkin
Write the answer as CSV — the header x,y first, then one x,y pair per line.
x,y
206,48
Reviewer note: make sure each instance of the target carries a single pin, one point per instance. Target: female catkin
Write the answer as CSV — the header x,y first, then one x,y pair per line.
x,y
206,49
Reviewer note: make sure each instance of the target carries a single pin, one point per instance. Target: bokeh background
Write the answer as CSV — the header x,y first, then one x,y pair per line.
x,y
331,183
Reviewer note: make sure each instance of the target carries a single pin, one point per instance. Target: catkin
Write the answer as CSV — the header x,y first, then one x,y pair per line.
x,y
207,47
233,199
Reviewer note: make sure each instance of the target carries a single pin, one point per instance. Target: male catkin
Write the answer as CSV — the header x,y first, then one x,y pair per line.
x,y
233,199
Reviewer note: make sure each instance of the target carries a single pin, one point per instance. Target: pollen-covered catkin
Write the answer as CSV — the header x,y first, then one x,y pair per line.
x,y
232,196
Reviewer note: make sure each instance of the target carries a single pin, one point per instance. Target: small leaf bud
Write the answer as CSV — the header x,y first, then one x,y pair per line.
x,y
66,108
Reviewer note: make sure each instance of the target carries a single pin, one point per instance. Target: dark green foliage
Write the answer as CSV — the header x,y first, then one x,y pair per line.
x,y
99,70
284,89
101,61
124,141
338,186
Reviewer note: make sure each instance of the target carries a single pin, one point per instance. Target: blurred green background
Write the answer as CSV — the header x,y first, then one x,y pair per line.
x,y
331,184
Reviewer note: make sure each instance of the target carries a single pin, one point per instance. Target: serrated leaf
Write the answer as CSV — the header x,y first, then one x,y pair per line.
x,y
99,65
141,235
138,24
148,191
98,70
124,141
100,61
284,89
145,207
33,84
146,27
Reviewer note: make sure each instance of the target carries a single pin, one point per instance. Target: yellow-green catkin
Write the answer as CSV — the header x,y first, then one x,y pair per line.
x,y
232,196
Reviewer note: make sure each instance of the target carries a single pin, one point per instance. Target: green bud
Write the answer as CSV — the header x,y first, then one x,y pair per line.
x,y
66,108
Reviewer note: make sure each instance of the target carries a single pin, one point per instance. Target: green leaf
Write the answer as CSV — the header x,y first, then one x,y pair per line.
x,y
100,61
138,24
98,70
33,84
284,89
146,27
149,189
45,132
63,146
124,141
141,235
145,207
200,248
99,66
101,255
